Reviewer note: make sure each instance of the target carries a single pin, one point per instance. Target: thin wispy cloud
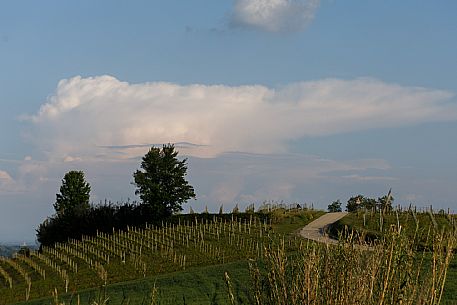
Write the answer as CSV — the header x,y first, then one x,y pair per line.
x,y
274,15
370,178
89,117
244,178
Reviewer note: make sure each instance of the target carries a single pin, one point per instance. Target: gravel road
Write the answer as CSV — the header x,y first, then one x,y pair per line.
x,y
315,229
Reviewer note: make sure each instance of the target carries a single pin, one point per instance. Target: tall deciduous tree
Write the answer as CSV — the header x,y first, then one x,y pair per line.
x,y
161,181
74,194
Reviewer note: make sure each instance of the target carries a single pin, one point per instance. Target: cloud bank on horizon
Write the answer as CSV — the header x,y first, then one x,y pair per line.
x,y
274,15
103,117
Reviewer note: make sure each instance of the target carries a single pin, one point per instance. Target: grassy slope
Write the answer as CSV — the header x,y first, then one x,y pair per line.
x,y
205,285
372,223
286,223
197,285
371,229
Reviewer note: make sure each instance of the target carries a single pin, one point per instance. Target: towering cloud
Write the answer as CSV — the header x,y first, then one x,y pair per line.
x,y
106,118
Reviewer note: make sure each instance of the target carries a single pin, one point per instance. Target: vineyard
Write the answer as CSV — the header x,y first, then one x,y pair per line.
x,y
416,222
135,253
244,258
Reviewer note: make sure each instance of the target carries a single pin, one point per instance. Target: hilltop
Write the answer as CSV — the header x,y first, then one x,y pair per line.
x,y
185,243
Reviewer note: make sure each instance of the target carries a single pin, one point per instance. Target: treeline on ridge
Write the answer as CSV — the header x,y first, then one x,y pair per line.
x,y
160,183
108,217
103,218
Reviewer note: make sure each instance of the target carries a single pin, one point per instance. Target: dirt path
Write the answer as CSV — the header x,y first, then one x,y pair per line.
x,y
315,229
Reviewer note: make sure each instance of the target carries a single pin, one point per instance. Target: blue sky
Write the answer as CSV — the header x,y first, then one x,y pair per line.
x,y
295,100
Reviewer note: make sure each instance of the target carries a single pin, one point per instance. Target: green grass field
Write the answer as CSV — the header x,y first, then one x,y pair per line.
x,y
213,246
198,285
179,257
369,225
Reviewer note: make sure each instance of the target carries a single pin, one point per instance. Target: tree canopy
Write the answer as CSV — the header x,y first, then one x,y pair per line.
x,y
161,182
335,206
361,202
385,202
74,194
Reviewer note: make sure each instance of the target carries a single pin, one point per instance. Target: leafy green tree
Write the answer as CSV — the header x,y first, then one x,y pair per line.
x,y
161,181
369,203
335,206
358,202
74,194
354,203
385,202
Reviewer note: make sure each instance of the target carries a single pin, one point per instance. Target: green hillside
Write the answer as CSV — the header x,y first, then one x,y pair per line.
x,y
243,258
420,225
196,285
142,253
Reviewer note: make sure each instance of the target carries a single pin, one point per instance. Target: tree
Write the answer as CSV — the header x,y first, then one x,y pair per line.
x,y
385,202
359,202
354,203
335,206
161,183
369,203
74,194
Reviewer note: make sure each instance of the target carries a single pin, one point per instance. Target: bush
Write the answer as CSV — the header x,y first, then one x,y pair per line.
x,y
109,217
103,218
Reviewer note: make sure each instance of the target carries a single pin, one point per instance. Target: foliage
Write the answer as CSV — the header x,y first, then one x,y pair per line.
x,y
358,202
101,218
372,225
195,286
184,241
340,274
389,271
290,221
385,203
361,202
74,194
161,183
335,206
420,225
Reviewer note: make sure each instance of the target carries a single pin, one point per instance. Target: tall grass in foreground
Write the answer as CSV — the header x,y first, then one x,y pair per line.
x,y
389,271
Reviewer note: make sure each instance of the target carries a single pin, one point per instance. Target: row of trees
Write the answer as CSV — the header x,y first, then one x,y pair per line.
x,y
359,202
160,183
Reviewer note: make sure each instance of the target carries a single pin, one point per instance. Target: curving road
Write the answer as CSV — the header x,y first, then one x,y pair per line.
x,y
316,229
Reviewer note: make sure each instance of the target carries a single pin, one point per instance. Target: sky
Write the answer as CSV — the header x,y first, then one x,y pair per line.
x,y
305,101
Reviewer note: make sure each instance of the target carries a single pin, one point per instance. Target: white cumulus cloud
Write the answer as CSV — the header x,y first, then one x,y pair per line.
x,y
274,15
106,118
